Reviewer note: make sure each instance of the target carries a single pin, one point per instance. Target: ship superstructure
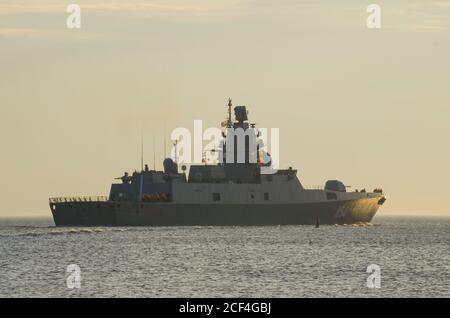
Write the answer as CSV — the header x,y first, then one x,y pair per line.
x,y
237,190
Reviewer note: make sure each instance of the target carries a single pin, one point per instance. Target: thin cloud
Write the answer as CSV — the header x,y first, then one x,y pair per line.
x,y
413,16
110,7
104,8
418,17
25,32
46,33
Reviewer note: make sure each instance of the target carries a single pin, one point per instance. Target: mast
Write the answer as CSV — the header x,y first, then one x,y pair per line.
x,y
165,154
142,152
165,143
229,121
154,153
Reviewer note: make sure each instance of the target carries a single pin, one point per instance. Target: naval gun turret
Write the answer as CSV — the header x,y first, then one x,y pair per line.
x,y
126,178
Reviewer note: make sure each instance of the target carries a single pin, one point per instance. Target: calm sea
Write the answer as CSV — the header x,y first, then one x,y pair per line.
x,y
413,255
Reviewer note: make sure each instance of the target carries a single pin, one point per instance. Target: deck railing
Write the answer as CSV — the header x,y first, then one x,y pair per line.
x,y
79,199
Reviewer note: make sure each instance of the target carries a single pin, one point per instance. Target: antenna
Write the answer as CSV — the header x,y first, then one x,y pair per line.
x,y
229,122
165,156
165,145
175,145
154,153
142,151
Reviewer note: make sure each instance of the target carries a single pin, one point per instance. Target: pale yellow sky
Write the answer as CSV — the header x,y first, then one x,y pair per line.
x,y
369,107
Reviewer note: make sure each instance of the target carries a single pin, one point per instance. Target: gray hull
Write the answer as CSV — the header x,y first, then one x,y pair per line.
x,y
171,214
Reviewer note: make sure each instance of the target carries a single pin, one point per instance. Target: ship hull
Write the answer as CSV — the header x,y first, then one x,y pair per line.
x,y
172,214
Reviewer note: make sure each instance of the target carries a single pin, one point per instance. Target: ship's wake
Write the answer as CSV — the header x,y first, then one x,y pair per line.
x,y
358,224
54,231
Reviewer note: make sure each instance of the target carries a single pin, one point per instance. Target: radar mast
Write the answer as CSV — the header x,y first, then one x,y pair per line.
x,y
229,121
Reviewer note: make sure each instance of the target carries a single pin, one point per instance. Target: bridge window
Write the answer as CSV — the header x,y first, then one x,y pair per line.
x,y
266,196
216,196
331,196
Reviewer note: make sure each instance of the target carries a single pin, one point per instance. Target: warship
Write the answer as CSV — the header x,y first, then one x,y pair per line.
x,y
236,190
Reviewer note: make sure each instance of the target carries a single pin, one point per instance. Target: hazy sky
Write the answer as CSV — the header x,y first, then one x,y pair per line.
x,y
369,107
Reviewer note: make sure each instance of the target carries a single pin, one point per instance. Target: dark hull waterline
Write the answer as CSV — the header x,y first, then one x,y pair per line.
x,y
172,214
